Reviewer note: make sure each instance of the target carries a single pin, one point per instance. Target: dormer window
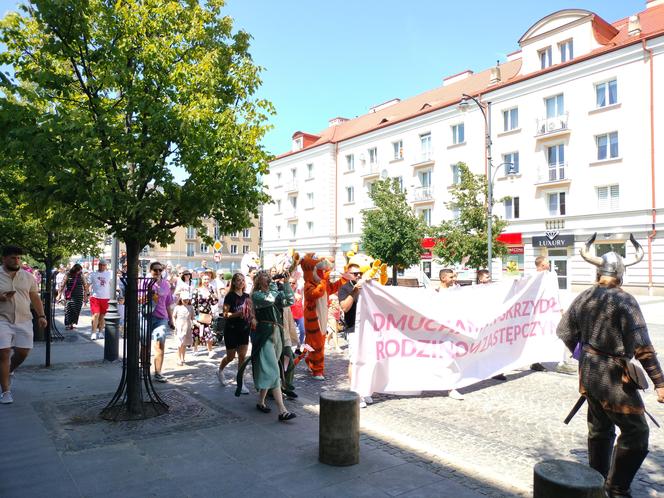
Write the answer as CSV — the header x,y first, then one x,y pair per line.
x,y
545,57
566,49
298,143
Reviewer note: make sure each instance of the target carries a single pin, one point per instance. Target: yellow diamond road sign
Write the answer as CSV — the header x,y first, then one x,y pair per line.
x,y
217,245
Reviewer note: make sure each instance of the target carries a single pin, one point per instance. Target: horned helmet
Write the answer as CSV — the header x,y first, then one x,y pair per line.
x,y
611,264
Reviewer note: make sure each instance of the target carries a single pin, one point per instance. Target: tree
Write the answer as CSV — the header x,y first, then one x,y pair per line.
x,y
108,99
465,237
392,231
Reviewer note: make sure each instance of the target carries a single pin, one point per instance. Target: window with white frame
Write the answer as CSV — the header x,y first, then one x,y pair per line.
x,y
373,155
456,174
607,146
278,231
511,208
278,175
555,106
233,249
556,161
511,160
557,203
400,181
310,226
235,234
217,230
146,250
310,200
350,194
397,149
278,205
191,233
245,249
458,134
456,212
425,214
350,225
425,146
292,228
246,233
310,170
204,249
511,119
350,162
190,249
606,93
566,50
293,174
293,201
608,197
424,178
545,57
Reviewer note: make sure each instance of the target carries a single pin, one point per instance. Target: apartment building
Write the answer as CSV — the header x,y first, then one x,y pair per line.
x,y
572,117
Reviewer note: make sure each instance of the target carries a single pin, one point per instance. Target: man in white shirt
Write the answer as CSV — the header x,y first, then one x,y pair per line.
x,y
448,281
100,295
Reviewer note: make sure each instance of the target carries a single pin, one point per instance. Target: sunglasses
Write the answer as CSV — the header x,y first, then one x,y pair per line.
x,y
356,273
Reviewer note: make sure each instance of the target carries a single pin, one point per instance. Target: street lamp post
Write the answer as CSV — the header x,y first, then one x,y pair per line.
x,y
485,108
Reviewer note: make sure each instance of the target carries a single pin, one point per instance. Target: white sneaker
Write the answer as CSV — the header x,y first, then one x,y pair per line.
x,y
6,398
93,336
363,404
210,354
318,377
454,394
368,400
244,390
221,377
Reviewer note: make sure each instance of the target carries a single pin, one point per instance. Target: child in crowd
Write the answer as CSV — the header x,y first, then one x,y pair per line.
x,y
333,319
183,316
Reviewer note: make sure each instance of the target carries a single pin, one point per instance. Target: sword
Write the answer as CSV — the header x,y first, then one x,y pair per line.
x,y
652,418
579,403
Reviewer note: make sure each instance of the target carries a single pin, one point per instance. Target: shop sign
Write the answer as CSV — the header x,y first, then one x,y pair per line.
x,y
427,255
553,239
515,250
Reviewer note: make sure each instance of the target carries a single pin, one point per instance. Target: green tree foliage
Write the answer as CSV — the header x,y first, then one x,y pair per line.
x,y
465,238
392,231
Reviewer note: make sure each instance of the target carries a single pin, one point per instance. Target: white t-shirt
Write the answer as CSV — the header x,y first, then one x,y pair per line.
x,y
100,284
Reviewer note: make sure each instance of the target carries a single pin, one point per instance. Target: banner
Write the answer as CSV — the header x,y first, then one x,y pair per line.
x,y
412,340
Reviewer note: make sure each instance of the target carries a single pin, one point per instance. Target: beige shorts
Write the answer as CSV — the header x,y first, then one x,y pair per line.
x,y
15,335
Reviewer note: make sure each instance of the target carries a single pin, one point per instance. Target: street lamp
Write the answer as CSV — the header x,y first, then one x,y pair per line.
x,y
485,108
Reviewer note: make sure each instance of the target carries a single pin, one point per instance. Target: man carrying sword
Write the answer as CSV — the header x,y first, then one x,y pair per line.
x,y
607,326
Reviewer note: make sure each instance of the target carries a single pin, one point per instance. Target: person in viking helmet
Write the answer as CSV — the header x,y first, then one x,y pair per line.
x,y
607,326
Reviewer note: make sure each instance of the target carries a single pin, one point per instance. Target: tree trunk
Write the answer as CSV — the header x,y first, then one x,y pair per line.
x,y
395,270
134,398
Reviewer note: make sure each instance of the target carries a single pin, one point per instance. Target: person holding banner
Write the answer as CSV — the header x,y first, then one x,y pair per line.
x,y
605,325
448,281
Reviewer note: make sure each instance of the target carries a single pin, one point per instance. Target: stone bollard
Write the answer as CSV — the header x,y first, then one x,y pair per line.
x,y
558,478
339,428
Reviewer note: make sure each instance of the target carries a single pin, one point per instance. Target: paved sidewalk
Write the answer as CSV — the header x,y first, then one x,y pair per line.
x,y
209,444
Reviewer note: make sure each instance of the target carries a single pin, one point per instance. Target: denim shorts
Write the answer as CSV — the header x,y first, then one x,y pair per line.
x,y
160,328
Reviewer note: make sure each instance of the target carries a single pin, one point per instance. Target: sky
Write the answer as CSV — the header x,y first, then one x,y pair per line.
x,y
327,59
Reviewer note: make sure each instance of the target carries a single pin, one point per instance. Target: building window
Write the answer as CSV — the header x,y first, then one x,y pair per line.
x,y
458,135
608,197
292,228
191,233
293,201
373,155
425,178
310,199
606,93
425,214
190,249
217,231
555,106
511,119
310,226
235,234
350,162
425,146
278,179
456,174
566,49
350,225
397,148
204,248
602,248
310,170
278,231
245,249
400,180
456,213
278,205
350,194
233,248
145,251
557,201
544,57
293,172
556,161
511,161
245,233
512,208
607,146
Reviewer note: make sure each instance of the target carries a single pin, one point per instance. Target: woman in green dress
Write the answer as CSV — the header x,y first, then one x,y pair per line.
x,y
267,340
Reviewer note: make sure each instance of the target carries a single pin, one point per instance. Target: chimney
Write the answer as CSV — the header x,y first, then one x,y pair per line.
x,y
495,74
337,121
634,26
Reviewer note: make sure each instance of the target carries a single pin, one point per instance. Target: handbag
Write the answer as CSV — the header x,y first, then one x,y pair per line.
x,y
204,318
637,373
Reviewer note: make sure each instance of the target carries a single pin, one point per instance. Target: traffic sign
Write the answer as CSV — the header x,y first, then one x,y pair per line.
x,y
217,257
217,245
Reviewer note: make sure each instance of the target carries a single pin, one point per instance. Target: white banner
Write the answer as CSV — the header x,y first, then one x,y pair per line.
x,y
411,340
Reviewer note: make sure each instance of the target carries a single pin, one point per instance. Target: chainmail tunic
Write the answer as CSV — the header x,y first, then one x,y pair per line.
x,y
610,325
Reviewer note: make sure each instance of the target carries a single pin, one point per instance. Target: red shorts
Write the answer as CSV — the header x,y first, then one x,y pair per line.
x,y
98,305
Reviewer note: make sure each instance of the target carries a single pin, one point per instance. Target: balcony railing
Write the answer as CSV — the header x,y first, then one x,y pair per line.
x,y
553,173
291,186
370,169
423,194
556,124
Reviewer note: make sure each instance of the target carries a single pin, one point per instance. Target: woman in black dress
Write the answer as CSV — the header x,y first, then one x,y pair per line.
x,y
236,330
73,289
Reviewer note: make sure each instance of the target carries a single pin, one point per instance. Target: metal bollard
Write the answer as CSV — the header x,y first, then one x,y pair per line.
x,y
112,332
558,478
339,428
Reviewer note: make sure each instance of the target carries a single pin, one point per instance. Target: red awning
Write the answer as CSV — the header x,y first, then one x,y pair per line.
x,y
514,239
430,242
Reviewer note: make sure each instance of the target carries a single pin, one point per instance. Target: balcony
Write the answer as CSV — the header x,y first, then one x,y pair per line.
x,y
552,127
422,195
291,187
553,175
554,224
425,159
370,170
290,213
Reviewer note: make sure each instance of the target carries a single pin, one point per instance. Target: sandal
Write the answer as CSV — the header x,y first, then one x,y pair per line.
x,y
263,408
286,416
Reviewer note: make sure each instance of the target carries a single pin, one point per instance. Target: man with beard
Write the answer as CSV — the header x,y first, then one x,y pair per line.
x,y
18,290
